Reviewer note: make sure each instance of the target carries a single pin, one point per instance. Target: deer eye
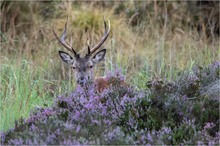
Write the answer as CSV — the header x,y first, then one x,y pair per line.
x,y
90,66
74,67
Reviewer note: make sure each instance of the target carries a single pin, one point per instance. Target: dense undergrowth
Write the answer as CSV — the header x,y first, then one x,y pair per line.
x,y
156,44
178,112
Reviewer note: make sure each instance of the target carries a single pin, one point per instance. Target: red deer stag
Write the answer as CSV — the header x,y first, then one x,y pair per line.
x,y
84,66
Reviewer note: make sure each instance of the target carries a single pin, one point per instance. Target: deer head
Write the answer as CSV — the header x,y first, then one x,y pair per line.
x,y
83,66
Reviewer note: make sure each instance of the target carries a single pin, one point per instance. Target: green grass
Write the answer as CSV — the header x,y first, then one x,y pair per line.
x,y
24,86
22,89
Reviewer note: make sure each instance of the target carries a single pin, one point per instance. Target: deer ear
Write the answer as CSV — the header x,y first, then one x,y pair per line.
x,y
66,57
99,56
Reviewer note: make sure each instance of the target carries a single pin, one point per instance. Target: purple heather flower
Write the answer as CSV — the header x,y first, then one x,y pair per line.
x,y
33,127
149,137
95,121
18,141
180,113
103,111
200,143
107,122
77,114
58,132
78,128
88,106
67,141
211,143
166,130
2,136
209,125
184,97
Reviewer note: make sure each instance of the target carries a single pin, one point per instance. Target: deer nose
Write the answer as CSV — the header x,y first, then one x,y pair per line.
x,y
81,80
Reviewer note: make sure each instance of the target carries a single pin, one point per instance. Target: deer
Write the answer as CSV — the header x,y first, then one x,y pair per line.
x,y
84,66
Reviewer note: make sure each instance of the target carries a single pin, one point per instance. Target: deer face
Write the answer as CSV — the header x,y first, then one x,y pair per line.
x,y
83,67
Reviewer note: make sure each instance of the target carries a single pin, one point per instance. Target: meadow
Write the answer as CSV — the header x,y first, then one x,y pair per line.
x,y
156,47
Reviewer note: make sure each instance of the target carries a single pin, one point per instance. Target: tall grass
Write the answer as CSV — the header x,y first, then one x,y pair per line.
x,y
32,73
22,89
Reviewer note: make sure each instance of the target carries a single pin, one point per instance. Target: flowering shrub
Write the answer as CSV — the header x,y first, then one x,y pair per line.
x,y
164,114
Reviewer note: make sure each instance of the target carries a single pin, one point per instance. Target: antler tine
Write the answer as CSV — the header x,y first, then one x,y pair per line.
x,y
62,39
88,47
106,33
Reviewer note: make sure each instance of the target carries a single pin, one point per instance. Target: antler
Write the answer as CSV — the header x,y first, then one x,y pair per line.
x,y
106,33
62,39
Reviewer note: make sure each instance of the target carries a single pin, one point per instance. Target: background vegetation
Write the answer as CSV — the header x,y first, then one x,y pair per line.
x,y
148,40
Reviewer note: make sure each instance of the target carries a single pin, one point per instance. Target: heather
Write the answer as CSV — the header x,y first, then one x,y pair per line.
x,y
167,52
164,113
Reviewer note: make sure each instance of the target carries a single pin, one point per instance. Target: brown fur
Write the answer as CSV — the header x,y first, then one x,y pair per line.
x,y
104,83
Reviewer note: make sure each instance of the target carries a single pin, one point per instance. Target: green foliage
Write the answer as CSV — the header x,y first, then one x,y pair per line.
x,y
22,89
